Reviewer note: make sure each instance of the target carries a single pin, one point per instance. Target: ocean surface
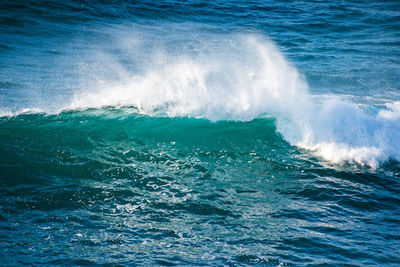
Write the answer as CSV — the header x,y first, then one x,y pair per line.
x,y
219,133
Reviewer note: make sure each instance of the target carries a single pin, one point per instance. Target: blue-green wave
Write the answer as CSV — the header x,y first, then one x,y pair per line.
x,y
199,133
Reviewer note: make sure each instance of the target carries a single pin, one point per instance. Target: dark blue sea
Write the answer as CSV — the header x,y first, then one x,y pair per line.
x,y
195,133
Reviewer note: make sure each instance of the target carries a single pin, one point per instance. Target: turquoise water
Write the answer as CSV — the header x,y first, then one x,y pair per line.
x,y
195,133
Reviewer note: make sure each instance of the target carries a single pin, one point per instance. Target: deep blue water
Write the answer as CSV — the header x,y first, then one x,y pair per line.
x,y
200,133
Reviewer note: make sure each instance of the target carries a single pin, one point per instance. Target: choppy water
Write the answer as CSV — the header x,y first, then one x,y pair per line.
x,y
200,133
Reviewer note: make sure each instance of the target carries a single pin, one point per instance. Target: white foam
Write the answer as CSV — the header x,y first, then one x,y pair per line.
x,y
342,132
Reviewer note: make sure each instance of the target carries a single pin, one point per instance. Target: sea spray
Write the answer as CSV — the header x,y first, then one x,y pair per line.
x,y
241,78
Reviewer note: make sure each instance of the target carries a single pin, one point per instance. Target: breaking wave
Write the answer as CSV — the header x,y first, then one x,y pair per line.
x,y
236,77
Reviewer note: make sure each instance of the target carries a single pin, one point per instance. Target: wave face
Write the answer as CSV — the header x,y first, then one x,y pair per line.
x,y
198,133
